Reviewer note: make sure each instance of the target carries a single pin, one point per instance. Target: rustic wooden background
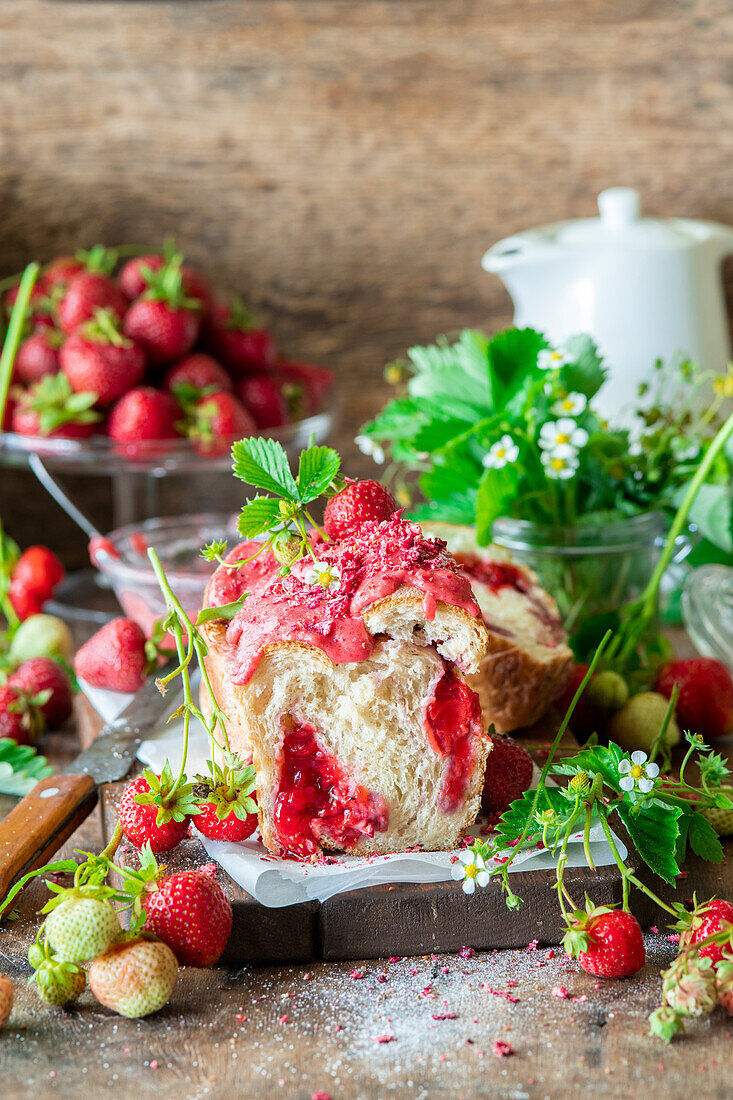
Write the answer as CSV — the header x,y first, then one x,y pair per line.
x,y
346,163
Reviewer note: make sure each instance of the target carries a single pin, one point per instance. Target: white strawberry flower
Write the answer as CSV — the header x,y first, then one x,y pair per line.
x,y
552,358
326,575
561,433
573,404
472,870
636,773
500,453
369,446
561,463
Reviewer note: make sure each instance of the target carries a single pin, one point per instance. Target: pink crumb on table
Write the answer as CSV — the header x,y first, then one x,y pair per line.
x,y
384,1038
503,1049
466,953
561,992
321,1096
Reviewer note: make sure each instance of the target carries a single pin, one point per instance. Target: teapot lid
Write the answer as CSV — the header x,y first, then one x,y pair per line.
x,y
620,224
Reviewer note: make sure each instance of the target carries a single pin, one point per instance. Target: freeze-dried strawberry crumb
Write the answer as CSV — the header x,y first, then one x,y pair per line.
x,y
561,992
502,1049
445,1015
385,1038
357,975
466,953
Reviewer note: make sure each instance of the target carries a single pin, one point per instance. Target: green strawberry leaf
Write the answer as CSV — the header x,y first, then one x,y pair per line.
x,y
227,611
496,489
600,760
61,866
20,768
258,516
653,827
317,468
586,373
263,464
703,839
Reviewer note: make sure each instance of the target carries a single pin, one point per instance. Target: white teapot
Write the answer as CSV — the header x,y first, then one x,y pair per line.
x,y
643,288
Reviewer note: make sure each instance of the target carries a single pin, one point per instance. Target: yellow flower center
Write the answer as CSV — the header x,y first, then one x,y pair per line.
x,y
325,578
558,464
637,772
556,355
567,405
471,870
500,452
562,437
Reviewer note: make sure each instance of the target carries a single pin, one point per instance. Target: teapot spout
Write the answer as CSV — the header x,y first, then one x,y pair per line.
x,y
515,252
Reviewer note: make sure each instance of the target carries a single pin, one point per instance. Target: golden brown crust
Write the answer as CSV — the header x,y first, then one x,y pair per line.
x,y
514,688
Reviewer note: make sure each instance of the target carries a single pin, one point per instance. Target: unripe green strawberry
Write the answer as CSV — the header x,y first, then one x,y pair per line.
x,y
134,978
721,820
607,690
6,999
81,928
637,724
57,982
41,636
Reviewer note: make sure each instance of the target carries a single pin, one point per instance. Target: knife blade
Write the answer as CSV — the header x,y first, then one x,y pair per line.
x,y
37,827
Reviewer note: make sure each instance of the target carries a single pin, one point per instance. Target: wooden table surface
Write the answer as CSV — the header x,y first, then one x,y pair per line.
x,y
422,1027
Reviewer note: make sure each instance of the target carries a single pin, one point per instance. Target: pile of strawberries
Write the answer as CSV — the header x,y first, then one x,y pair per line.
x,y
147,356
36,690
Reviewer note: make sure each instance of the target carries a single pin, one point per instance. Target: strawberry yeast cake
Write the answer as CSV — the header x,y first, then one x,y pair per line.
x,y
346,682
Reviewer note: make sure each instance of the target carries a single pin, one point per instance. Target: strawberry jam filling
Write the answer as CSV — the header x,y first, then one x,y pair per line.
x,y
454,730
317,799
494,574
362,569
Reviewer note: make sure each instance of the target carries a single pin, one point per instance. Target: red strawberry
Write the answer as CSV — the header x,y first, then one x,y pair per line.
x,y
138,820
19,718
87,293
142,415
7,423
43,674
166,332
508,775
39,302
228,804
606,942
238,341
308,386
263,397
229,828
115,657
358,502
216,421
200,371
61,271
705,703
134,279
25,603
38,355
98,358
38,570
50,408
713,917
190,912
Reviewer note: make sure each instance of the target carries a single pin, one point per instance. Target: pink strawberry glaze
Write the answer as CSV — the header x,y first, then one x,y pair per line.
x,y
318,800
372,565
454,730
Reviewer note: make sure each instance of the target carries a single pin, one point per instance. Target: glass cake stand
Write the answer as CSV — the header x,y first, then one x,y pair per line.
x,y
159,479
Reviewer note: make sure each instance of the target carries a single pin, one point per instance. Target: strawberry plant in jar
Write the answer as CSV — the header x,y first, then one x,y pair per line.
x,y
506,435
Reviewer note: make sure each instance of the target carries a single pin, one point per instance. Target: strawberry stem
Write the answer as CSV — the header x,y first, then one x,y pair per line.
x,y
15,332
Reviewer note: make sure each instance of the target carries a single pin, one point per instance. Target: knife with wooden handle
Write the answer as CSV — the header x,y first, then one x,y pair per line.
x,y
37,827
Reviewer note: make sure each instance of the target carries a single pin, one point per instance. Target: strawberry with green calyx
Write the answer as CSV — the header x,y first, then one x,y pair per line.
x,y
81,922
84,295
97,358
38,356
157,809
703,921
14,335
51,408
165,320
21,716
607,942
226,800
238,340
58,981
693,984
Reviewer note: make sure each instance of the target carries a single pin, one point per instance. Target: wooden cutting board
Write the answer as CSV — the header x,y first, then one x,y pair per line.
x,y
400,919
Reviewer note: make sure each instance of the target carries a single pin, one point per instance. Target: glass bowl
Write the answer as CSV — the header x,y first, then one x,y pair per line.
x,y
100,455
707,607
177,540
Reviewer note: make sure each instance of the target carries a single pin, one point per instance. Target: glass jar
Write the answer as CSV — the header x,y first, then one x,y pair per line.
x,y
707,607
591,570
